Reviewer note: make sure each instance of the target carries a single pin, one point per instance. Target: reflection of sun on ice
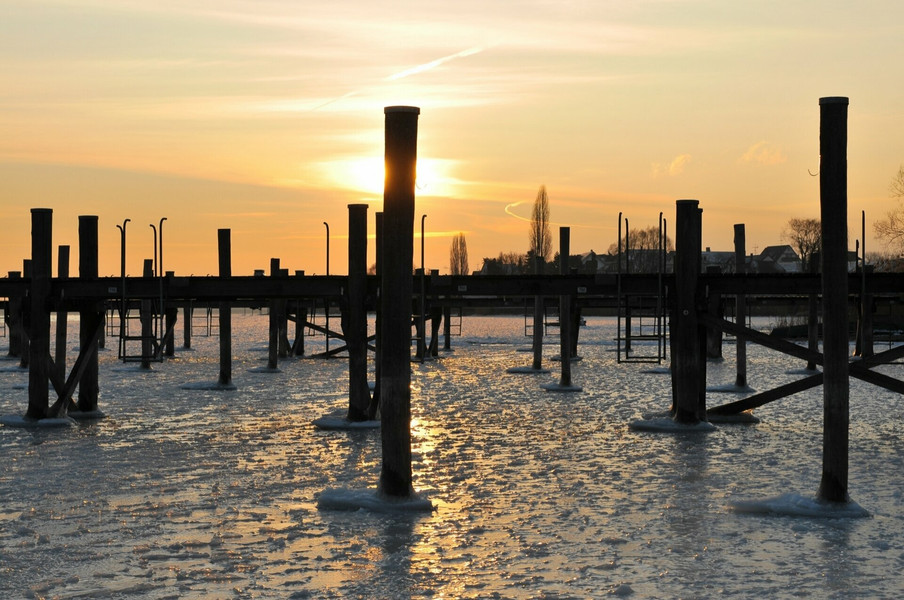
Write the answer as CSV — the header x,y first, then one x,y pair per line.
x,y
367,175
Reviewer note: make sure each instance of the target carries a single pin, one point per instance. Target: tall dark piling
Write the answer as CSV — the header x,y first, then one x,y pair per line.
x,y
224,252
833,215
25,350
39,317
354,324
813,314
186,324
398,221
565,325
59,359
91,313
687,359
274,322
740,248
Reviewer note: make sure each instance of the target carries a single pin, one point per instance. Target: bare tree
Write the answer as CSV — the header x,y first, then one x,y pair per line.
x,y
805,236
540,236
458,255
641,247
891,228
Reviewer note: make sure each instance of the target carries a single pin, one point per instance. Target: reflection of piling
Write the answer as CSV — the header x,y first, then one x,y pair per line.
x,y
565,326
224,252
740,242
688,370
355,322
398,221
62,316
91,313
39,317
833,215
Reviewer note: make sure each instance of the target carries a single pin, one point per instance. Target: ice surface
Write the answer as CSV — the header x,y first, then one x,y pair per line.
x,y
196,493
669,425
208,386
730,388
795,505
340,423
372,500
527,370
25,422
558,387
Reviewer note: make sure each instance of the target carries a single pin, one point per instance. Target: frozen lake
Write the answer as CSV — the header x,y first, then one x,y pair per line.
x,y
204,494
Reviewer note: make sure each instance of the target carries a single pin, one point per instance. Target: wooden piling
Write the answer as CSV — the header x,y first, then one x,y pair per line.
x,y
355,322
59,359
686,351
186,324
395,379
39,317
813,314
378,317
25,351
273,345
740,243
714,307
224,253
91,313
537,333
146,316
833,215
565,324
14,307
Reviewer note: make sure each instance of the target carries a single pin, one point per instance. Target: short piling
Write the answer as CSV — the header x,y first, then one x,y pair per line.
x,y
59,359
91,313
355,322
537,331
224,252
687,363
740,243
395,378
833,214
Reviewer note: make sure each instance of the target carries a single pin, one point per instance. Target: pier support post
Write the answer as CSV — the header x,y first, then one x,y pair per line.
x,y
224,252
186,324
537,332
147,321
274,320
714,307
14,308
565,325
395,379
740,243
25,351
354,324
91,313
833,215
39,329
378,317
62,316
688,370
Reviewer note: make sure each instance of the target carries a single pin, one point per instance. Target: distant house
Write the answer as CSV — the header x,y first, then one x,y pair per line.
x,y
776,259
725,261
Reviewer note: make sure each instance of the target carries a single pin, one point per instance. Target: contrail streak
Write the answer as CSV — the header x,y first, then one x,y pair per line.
x,y
435,63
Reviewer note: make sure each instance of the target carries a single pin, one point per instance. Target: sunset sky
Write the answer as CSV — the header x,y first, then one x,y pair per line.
x,y
266,117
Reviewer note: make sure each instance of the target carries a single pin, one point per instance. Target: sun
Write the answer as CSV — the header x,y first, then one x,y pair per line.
x,y
366,175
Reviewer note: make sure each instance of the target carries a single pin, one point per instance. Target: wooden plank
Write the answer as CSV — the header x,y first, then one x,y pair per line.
x,y
757,400
757,337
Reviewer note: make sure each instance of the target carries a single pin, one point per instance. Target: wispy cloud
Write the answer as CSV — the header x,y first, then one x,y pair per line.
x,y
672,169
763,153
